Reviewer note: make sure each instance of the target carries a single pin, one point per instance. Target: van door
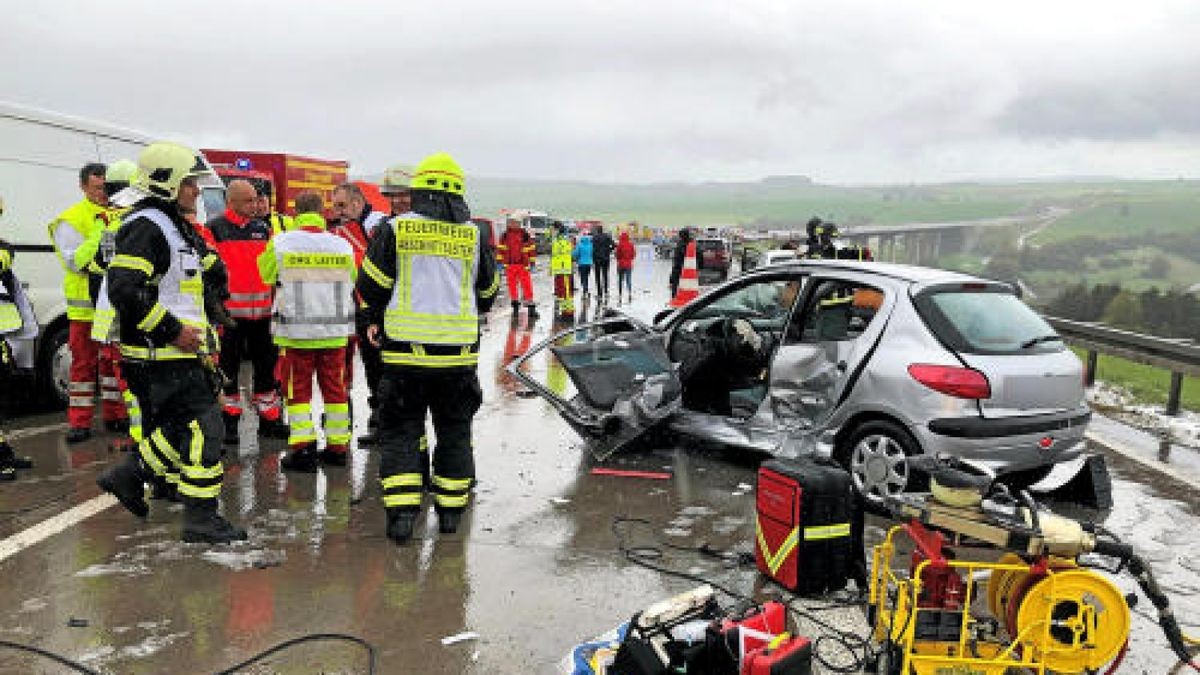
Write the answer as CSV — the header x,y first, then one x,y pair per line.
x,y
827,344
621,383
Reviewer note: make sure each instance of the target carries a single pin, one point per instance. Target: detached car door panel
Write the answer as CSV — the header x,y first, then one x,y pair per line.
x,y
624,384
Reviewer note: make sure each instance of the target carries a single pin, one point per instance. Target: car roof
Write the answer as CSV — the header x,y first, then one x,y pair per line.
x,y
909,273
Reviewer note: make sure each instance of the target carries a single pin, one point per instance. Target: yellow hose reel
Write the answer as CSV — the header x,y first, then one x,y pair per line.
x,y
1073,619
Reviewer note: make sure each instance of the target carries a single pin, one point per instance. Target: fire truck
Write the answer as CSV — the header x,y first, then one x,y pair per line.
x,y
287,174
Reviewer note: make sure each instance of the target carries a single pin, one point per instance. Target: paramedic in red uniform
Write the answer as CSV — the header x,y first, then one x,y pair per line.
x,y
516,251
241,238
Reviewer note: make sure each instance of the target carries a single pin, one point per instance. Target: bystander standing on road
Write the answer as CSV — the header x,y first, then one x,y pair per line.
x,y
582,255
685,238
625,254
602,250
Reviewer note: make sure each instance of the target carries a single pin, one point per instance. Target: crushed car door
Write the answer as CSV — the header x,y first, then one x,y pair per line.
x,y
621,382
827,344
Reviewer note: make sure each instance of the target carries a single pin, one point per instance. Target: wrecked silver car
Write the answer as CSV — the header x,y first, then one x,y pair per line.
x,y
871,364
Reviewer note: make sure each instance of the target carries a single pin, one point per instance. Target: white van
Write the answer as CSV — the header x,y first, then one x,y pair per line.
x,y
41,154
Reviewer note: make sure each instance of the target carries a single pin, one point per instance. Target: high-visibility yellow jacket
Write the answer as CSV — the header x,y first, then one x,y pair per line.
x,y
560,256
71,235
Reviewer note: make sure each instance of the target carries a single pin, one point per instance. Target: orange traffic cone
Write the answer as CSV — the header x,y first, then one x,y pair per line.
x,y
689,279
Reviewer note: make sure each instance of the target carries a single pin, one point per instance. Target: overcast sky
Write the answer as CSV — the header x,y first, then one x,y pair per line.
x,y
846,91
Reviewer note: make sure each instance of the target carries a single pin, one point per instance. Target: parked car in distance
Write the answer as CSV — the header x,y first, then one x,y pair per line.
x,y
713,256
760,258
869,363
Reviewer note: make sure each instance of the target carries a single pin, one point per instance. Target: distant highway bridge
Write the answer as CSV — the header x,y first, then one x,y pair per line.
x,y
923,243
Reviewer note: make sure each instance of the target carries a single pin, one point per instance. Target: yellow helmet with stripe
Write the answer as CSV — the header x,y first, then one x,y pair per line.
x,y
439,172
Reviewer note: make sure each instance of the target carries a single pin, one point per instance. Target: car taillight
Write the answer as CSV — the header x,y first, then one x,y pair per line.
x,y
952,380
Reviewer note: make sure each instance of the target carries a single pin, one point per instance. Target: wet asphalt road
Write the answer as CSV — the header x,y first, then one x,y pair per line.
x,y
534,570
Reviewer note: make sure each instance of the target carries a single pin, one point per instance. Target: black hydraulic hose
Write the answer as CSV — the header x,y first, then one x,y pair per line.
x,y
73,665
1149,585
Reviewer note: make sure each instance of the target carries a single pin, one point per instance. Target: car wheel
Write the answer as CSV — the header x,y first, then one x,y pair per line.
x,y
54,368
876,455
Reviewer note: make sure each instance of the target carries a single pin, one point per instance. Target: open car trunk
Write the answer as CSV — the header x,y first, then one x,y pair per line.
x,y
621,382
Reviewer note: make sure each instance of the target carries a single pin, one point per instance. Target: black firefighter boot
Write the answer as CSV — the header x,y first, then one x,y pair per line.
x,y
400,523
203,525
448,520
127,482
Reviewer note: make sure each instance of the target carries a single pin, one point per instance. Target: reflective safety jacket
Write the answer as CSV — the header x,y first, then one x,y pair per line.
x,y
17,319
239,243
359,232
71,235
280,223
155,282
315,271
427,281
516,247
560,255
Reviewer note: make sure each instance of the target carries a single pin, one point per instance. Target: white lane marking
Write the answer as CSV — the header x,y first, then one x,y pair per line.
x,y
34,431
52,526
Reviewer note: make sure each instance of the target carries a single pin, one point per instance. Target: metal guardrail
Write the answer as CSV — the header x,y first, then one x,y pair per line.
x,y
1180,357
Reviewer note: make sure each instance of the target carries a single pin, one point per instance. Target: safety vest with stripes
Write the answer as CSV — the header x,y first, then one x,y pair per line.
x,y
433,299
16,315
180,290
314,304
81,218
560,256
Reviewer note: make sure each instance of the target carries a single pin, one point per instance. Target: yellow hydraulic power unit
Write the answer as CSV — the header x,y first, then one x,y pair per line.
x,y
955,607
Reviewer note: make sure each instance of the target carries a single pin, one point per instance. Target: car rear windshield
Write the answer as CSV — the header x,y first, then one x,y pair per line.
x,y
987,323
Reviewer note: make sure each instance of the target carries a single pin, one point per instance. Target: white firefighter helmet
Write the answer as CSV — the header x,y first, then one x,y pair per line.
x,y
396,179
162,166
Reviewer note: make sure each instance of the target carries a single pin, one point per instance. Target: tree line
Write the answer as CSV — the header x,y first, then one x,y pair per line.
x,y
1172,313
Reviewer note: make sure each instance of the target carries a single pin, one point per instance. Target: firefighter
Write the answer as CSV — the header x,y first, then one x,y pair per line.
x,y
241,237
561,256
394,186
357,223
314,272
678,258
517,252
71,233
117,405
17,322
426,278
279,222
155,283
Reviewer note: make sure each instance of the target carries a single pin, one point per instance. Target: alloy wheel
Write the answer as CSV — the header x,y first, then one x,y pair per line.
x,y
879,467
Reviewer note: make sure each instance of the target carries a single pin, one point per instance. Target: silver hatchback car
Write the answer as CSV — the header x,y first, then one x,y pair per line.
x,y
869,363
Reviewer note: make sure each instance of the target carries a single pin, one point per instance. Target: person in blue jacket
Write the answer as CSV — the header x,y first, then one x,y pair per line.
x,y
583,259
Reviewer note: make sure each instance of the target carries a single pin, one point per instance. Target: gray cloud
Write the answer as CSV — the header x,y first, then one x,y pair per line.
x,y
859,90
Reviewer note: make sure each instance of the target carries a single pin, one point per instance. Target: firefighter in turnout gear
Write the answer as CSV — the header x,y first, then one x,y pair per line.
x,y
155,283
313,318
425,281
17,322
71,235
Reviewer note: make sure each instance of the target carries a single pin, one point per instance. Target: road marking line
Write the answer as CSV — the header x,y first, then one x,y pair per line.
x,y
34,431
52,526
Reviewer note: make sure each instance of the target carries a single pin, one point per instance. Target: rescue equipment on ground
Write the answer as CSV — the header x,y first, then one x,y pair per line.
x,y
808,528
689,279
1045,611
691,633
